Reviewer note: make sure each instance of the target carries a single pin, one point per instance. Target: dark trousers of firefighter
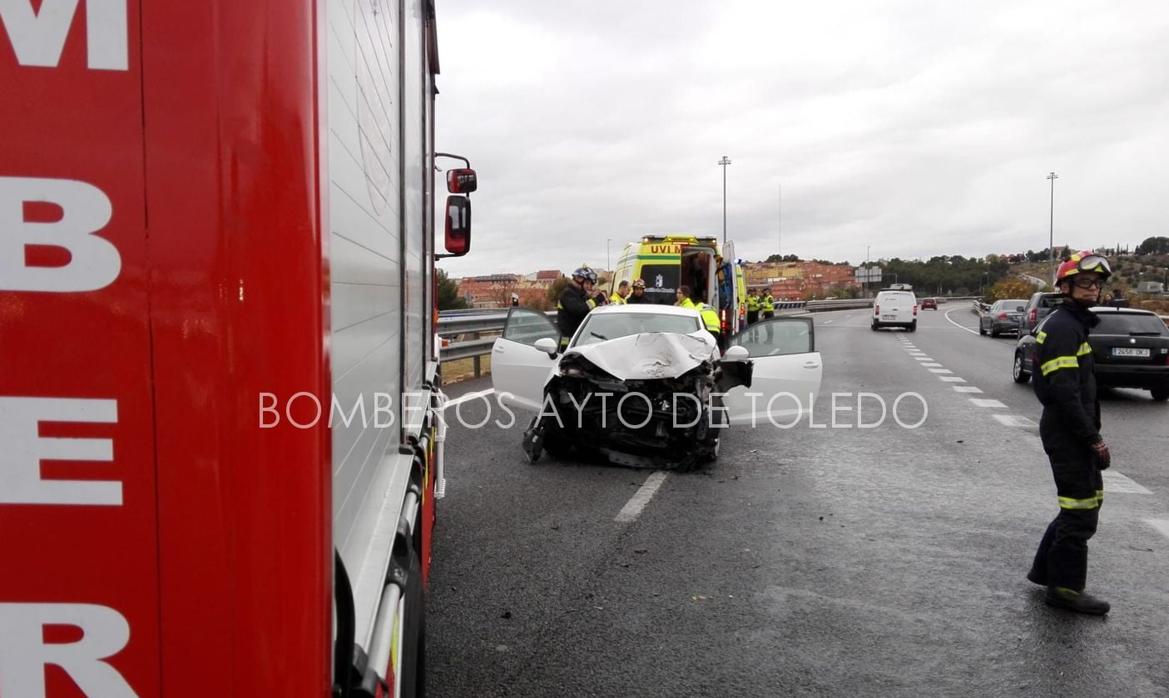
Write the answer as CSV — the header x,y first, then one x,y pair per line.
x,y
1062,558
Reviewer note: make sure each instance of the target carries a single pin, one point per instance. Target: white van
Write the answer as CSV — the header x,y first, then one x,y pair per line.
x,y
895,308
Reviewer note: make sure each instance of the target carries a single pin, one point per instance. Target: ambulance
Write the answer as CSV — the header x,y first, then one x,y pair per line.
x,y
666,262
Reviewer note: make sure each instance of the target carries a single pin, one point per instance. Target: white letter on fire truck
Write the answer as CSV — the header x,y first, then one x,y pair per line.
x,y
22,450
39,38
85,210
24,654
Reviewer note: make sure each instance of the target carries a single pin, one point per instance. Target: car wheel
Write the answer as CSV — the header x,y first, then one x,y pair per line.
x,y
412,661
1160,394
556,443
1017,371
913,326
873,327
994,332
533,443
981,330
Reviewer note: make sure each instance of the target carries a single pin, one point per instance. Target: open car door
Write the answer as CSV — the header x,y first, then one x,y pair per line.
x,y
518,369
786,374
729,289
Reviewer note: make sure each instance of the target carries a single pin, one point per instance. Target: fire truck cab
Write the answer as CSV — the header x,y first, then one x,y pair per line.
x,y
220,404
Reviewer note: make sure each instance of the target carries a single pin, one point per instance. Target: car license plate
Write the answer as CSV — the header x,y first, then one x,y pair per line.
x,y
1130,351
888,317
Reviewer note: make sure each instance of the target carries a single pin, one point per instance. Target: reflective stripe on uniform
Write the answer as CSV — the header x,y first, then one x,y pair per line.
x,y
710,319
1085,349
1081,504
1058,363
1041,337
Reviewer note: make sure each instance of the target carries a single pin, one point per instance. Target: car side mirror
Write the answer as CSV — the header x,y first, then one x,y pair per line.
x,y
547,345
458,225
736,353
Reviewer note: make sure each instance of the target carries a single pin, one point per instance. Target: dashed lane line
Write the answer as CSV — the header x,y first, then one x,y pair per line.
x,y
641,497
1013,420
931,364
966,389
1161,525
987,402
940,370
1117,482
951,379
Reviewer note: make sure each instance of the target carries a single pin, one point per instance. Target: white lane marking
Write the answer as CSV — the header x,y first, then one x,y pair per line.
x,y
1117,482
1162,526
955,324
923,357
826,322
966,389
940,370
1012,420
469,396
987,402
931,364
951,379
641,497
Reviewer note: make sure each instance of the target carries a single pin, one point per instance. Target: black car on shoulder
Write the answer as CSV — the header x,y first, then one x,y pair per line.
x,y
1130,348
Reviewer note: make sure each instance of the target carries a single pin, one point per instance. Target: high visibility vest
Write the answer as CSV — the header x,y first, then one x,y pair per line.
x,y
617,299
768,304
752,304
687,303
710,319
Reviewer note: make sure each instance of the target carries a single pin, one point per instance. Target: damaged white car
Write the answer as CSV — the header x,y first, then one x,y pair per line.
x,y
646,385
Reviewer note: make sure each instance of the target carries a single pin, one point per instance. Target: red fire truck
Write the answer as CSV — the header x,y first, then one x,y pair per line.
x,y
220,433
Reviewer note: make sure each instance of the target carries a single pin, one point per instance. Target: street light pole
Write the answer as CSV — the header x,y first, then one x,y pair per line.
x,y
1051,230
609,263
723,163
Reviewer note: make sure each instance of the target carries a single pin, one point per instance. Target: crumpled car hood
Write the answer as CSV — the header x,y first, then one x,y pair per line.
x,y
649,356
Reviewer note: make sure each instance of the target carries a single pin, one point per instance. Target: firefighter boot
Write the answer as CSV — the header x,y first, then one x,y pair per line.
x,y
1078,601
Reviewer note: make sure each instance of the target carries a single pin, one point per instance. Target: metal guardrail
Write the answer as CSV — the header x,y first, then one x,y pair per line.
x,y
469,326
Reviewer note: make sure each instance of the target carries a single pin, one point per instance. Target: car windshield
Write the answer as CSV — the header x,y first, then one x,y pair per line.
x,y
1010,305
1130,323
602,326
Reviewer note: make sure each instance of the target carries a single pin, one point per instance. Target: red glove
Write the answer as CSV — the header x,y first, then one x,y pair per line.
x,y
1103,455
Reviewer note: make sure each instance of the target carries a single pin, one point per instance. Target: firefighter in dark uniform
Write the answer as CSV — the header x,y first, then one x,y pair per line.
x,y
575,302
638,295
1070,429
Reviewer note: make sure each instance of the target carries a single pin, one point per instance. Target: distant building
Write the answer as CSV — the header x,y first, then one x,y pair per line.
x,y
495,290
799,280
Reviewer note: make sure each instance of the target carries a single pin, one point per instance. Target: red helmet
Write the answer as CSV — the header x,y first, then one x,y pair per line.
x,y
1085,260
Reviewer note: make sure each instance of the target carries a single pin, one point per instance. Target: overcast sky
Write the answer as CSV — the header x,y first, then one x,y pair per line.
x,y
917,128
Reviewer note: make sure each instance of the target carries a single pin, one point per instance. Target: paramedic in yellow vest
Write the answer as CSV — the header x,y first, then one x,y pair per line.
x,y
711,322
683,295
619,296
767,305
752,307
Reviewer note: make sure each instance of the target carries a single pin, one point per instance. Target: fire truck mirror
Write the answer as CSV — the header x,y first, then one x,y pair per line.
x,y
461,181
458,225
